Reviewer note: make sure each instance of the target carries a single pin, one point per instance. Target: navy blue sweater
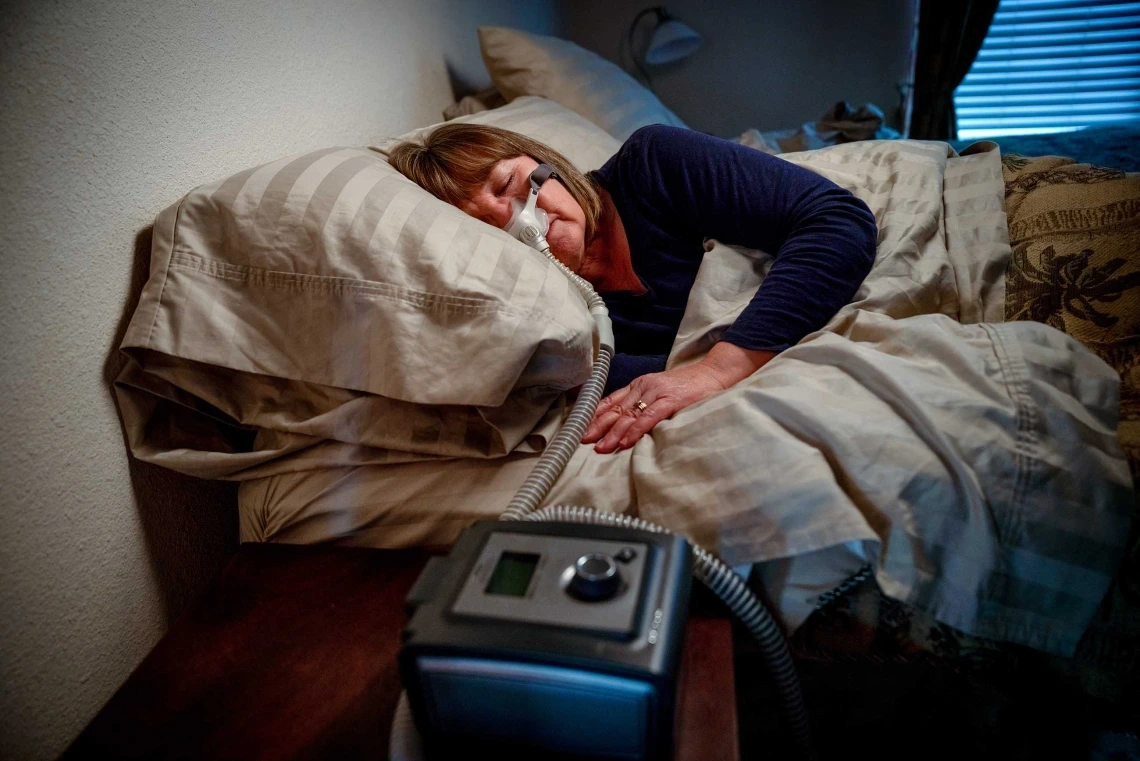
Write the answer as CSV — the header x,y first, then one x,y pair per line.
x,y
674,187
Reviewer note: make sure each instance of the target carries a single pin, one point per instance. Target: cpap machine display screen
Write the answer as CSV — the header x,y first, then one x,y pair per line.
x,y
512,574
548,640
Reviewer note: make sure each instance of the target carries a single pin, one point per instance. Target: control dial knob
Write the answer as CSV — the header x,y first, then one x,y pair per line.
x,y
596,577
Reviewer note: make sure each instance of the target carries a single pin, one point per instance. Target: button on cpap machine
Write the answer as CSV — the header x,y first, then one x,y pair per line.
x,y
594,576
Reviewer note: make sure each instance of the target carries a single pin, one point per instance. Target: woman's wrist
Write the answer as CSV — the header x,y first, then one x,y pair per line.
x,y
731,364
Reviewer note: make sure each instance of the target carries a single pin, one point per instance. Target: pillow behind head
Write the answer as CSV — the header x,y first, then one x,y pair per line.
x,y
529,64
583,143
327,296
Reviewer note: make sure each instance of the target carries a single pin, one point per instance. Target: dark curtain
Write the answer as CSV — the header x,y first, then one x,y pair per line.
x,y
950,34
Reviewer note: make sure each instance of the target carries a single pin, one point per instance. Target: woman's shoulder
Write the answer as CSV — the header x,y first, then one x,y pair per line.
x,y
648,147
653,132
665,138
663,143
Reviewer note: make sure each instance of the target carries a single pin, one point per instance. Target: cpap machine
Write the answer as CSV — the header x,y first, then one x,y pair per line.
x,y
557,632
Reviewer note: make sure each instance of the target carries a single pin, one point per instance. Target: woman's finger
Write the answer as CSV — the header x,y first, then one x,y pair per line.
x,y
630,415
610,441
601,423
643,424
608,412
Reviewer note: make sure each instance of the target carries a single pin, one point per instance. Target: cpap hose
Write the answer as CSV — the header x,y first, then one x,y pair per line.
x,y
725,583
558,453
404,742
562,447
718,577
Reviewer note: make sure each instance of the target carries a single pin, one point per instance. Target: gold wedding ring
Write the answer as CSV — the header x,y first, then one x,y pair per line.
x,y
641,406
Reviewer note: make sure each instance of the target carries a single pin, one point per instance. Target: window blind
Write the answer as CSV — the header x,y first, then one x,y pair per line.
x,y
1053,66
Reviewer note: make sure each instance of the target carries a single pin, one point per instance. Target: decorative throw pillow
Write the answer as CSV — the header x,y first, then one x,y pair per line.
x,y
584,82
327,297
1075,234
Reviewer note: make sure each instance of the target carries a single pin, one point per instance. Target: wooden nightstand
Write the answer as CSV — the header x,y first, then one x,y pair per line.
x,y
292,654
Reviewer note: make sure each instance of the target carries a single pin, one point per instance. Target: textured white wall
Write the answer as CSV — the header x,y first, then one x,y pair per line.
x,y
767,64
110,111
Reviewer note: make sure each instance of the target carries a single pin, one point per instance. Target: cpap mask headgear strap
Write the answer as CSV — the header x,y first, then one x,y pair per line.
x,y
528,222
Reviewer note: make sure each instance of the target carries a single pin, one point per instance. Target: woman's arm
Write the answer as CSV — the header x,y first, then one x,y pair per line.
x,y
822,238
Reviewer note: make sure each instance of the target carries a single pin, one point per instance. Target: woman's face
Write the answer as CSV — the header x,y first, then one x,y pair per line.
x,y
509,179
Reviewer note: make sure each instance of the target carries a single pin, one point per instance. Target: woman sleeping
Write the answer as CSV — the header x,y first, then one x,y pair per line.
x,y
635,229
335,310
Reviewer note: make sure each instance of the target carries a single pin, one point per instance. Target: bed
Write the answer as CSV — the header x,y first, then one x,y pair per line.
x,y
996,250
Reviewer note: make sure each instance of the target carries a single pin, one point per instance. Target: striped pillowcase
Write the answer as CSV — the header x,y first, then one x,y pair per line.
x,y
326,295
584,82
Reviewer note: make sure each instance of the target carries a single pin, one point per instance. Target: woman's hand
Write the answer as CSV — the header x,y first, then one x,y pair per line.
x,y
619,422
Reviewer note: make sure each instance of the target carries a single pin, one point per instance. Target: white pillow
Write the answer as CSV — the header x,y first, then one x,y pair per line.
x,y
529,64
327,297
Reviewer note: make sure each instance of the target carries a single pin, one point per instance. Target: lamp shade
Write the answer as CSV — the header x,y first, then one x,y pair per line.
x,y
672,40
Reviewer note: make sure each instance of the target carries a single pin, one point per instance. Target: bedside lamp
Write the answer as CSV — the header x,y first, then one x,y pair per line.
x,y
671,40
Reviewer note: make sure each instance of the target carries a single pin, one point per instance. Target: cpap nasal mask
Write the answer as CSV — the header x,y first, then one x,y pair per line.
x,y
528,222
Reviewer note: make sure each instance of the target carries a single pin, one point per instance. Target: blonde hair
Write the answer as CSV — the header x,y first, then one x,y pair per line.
x,y
455,159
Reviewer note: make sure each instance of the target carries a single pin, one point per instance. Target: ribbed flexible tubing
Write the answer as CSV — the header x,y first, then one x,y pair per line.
x,y
554,458
734,592
718,577
725,583
591,297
